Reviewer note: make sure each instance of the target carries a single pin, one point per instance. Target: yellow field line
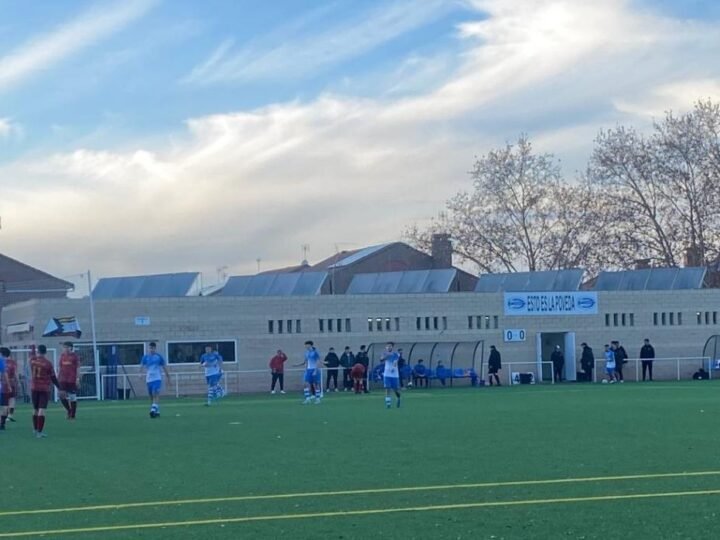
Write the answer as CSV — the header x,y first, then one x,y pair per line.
x,y
372,491
462,506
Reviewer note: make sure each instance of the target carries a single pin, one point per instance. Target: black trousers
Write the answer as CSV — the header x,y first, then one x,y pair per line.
x,y
418,381
347,379
588,374
332,374
278,377
558,370
647,366
618,370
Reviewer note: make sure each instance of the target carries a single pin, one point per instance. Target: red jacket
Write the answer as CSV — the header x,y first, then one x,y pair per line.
x,y
277,362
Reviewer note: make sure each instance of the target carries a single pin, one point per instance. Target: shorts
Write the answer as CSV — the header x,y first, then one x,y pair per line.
x,y
212,380
12,391
69,387
391,383
154,387
357,372
610,371
4,399
40,399
312,376
493,370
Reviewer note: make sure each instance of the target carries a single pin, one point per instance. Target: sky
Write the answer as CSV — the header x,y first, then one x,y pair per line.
x,y
152,136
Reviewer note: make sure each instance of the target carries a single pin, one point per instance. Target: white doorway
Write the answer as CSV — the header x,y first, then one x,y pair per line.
x,y
545,343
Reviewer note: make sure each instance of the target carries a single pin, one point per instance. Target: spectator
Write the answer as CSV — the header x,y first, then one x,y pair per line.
x,y
332,362
362,358
558,361
494,365
620,360
347,361
277,368
440,372
401,367
419,374
610,364
647,354
587,361
700,375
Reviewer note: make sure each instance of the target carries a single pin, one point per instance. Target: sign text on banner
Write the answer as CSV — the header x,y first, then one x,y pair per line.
x,y
551,303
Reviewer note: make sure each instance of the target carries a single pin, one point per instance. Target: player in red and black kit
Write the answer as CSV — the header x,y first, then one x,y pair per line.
x,y
69,379
43,377
12,390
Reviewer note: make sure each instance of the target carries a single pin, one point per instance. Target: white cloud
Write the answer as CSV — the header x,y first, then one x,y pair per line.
x,y
10,129
261,183
301,53
44,51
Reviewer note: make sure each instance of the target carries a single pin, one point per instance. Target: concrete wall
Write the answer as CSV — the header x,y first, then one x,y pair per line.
x,y
246,320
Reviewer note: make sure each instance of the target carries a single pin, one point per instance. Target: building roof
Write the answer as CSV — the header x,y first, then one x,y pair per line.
x,y
652,279
16,276
277,284
152,286
544,281
413,281
346,258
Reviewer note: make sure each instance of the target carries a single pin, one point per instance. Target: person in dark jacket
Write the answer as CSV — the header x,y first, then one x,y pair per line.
x,y
494,365
620,359
647,354
558,361
401,367
332,362
587,361
419,374
347,361
362,358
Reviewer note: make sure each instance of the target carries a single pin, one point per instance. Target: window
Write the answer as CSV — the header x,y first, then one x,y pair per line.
x,y
397,324
672,318
339,325
607,319
330,325
699,319
655,319
623,319
387,324
487,322
347,325
370,324
271,327
444,323
179,352
615,319
479,322
679,318
280,327
378,324
707,317
663,318
427,323
321,323
298,328
496,322
714,317
470,322
128,354
418,323
289,327
632,319
435,323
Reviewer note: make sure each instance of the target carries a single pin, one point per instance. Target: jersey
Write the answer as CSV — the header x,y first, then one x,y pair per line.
x,y
391,364
42,374
211,362
312,357
153,363
609,360
69,366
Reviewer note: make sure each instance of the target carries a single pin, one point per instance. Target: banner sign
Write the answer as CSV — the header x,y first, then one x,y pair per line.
x,y
551,303
63,326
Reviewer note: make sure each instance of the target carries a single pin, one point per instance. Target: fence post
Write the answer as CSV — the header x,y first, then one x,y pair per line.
x,y
177,385
678,368
637,370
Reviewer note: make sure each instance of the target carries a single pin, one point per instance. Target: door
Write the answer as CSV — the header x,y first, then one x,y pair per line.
x,y
570,362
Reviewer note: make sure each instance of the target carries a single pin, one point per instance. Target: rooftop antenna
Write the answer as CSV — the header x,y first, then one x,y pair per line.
x,y
221,273
305,250
258,260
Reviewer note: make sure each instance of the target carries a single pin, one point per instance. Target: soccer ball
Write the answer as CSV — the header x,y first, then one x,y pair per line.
x,y
409,385
604,381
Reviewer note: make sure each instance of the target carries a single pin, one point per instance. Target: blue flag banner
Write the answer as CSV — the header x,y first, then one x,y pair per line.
x,y
63,326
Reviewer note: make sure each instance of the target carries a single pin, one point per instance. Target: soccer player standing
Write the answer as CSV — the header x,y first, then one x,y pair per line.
x,y
11,372
391,375
43,377
69,379
4,390
212,362
154,364
312,372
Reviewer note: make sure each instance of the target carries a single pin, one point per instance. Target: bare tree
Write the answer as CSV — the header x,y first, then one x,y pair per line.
x,y
521,215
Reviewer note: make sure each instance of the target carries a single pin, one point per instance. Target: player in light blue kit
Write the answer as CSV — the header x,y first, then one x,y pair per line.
x,y
212,362
154,365
312,373
391,375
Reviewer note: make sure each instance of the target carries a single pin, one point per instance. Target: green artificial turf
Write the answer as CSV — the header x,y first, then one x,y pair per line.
x,y
113,454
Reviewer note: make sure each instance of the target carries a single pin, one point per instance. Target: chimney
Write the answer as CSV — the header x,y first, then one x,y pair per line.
x,y
692,257
441,250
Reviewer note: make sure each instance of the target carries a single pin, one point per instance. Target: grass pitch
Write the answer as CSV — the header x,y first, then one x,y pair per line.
x,y
564,461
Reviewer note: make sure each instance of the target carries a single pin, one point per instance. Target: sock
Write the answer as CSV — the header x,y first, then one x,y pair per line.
x,y
66,404
40,423
318,391
73,408
306,391
2,420
397,394
35,422
388,401
210,393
